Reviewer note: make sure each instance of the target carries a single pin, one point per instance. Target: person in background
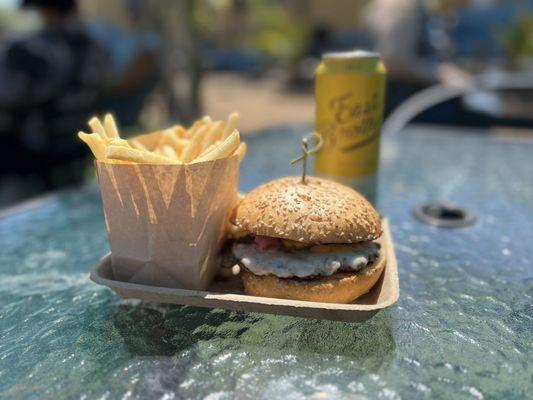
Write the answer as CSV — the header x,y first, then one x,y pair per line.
x,y
51,81
402,30
135,50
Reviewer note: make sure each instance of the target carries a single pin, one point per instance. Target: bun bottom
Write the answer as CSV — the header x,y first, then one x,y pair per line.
x,y
341,287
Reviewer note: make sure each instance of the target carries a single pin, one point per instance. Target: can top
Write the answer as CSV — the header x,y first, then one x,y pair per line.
x,y
343,55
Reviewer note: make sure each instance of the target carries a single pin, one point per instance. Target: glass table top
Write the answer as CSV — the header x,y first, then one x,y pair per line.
x,y
462,328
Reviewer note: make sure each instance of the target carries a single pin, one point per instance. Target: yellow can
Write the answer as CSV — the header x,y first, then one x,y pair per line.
x,y
350,95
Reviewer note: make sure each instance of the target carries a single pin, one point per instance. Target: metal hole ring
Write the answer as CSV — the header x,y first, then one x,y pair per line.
x,y
444,215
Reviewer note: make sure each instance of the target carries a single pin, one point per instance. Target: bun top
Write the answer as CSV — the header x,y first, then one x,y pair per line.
x,y
317,211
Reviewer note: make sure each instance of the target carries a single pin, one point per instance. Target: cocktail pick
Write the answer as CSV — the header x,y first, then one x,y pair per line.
x,y
317,137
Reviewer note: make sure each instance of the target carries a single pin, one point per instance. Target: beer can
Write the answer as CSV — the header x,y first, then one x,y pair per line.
x,y
350,96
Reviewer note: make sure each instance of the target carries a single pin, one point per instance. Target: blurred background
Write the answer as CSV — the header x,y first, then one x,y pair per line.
x,y
157,62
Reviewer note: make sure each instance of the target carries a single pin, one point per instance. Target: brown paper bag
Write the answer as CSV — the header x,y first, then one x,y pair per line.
x,y
166,223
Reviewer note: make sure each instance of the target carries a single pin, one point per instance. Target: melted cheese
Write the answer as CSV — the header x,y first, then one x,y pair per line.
x,y
302,264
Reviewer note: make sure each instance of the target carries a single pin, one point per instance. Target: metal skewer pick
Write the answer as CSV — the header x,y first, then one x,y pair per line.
x,y
306,151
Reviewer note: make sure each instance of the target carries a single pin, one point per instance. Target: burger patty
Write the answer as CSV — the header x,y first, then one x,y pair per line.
x,y
322,260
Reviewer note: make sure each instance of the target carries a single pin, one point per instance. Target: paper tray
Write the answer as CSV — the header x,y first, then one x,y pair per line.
x,y
228,293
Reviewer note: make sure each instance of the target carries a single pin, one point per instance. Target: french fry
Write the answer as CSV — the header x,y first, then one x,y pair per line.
x,y
214,134
204,140
230,125
180,131
210,148
193,148
193,129
169,152
110,126
178,144
95,143
224,149
168,136
137,156
241,151
163,138
136,144
117,142
97,127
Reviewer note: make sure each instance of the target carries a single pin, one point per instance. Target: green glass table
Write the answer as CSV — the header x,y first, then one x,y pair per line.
x,y
462,328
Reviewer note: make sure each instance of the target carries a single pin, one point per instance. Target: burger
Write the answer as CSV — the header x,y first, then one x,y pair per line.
x,y
313,240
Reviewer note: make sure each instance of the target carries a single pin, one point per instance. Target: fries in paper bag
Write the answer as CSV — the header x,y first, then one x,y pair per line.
x,y
167,198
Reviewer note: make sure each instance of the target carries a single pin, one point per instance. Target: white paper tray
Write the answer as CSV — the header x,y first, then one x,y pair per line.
x,y
228,293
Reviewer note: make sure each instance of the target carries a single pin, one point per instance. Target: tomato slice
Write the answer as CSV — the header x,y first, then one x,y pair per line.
x,y
267,242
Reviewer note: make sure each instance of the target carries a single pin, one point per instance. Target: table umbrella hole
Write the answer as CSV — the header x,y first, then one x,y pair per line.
x,y
444,215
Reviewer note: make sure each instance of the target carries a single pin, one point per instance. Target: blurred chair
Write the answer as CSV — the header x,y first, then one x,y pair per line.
x,y
437,94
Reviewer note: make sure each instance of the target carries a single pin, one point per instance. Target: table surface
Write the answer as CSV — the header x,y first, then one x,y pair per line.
x,y
462,328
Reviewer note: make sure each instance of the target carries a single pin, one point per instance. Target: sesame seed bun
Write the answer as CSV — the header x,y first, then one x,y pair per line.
x,y
317,211
341,287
